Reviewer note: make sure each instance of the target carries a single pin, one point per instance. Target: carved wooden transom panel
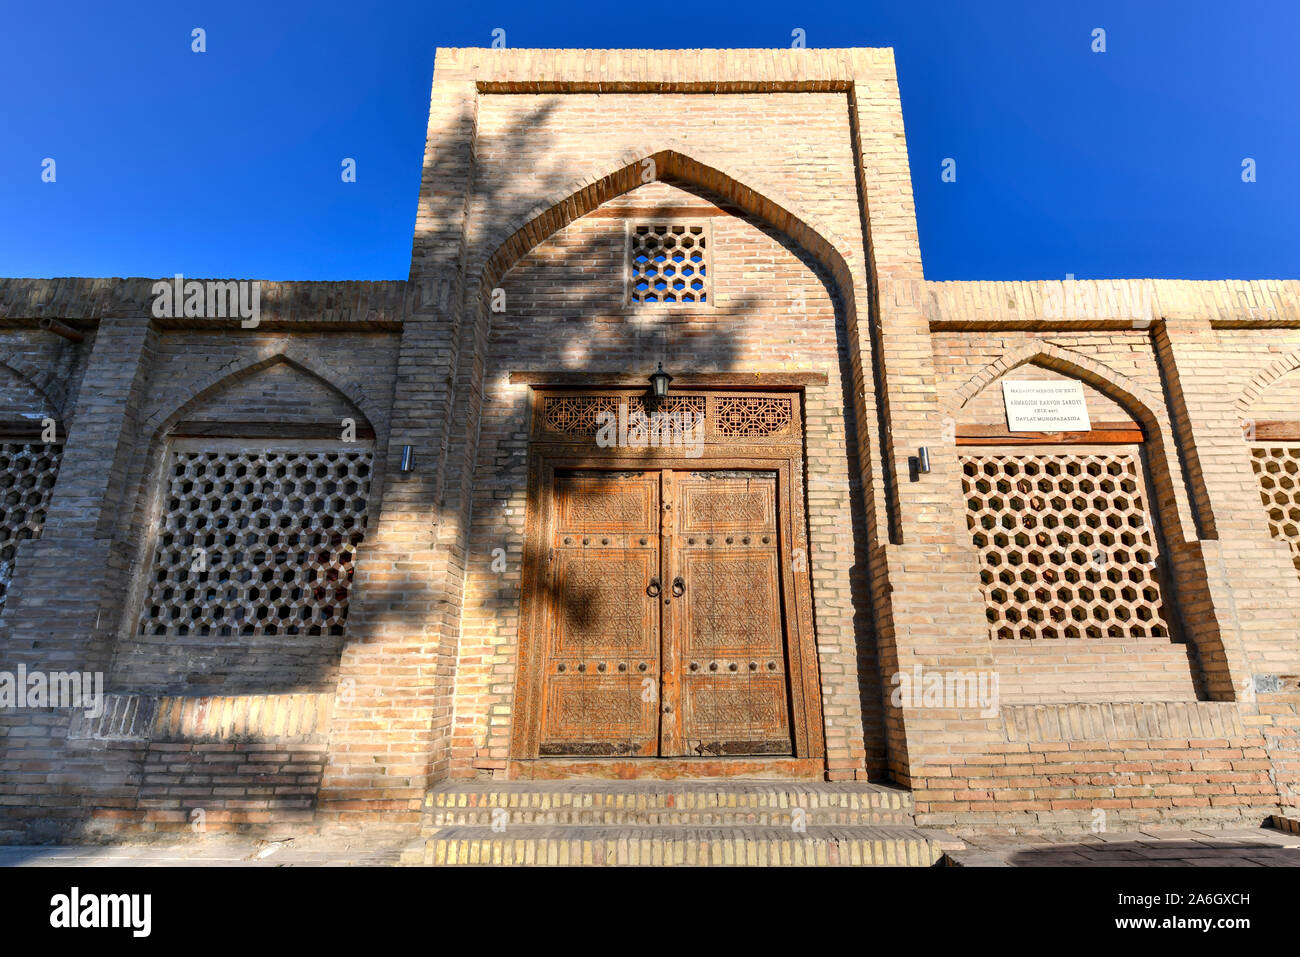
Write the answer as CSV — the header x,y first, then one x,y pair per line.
x,y
576,414
726,418
752,416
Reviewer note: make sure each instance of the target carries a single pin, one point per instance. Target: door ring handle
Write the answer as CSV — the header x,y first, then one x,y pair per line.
x,y
653,588
679,586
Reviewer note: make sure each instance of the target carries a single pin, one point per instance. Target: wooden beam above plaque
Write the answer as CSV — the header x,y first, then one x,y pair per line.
x,y
1105,433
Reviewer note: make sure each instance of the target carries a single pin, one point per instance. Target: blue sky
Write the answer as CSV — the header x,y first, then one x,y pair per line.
x,y
1126,163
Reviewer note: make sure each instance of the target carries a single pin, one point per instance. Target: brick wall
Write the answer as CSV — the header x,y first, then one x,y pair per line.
x,y
203,765
41,373
1101,766
246,390
122,391
1171,755
534,160
970,369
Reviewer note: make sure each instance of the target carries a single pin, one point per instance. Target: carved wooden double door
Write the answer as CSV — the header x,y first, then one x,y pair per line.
x,y
664,630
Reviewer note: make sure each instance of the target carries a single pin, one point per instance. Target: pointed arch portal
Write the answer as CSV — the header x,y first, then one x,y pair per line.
x,y
666,621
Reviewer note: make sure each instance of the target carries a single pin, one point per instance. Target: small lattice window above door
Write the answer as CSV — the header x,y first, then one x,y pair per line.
x,y
1277,467
27,475
1067,546
257,542
668,264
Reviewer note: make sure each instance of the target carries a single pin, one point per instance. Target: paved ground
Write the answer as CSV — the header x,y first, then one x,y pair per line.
x,y
1149,847
215,852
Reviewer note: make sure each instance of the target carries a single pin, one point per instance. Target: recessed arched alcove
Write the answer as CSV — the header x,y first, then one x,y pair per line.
x,y
257,497
31,452
1072,530
776,304
1271,429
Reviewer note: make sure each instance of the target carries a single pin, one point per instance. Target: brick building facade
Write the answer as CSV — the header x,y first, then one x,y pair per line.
x,y
296,629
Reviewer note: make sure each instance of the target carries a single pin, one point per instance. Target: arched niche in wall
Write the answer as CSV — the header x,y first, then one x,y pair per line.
x,y
29,467
1271,430
257,503
1069,543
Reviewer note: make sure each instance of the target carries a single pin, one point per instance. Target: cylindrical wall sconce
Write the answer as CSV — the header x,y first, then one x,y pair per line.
x,y
408,459
923,460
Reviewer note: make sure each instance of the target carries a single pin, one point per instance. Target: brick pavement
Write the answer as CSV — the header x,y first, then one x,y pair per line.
x,y
1148,847
1145,847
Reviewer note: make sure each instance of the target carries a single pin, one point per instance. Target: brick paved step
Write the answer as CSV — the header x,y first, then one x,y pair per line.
x,y
666,817
775,804
630,845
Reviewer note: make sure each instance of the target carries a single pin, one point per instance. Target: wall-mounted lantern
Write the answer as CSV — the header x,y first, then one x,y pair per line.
x,y
659,382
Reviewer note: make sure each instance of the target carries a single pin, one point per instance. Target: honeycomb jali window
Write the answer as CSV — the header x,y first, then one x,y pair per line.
x,y
260,542
668,264
27,475
1277,467
1066,544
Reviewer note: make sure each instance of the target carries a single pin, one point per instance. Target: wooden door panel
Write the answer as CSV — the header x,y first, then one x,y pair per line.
x,y
728,502
734,610
741,714
729,623
698,670
602,606
602,521
602,628
597,716
606,503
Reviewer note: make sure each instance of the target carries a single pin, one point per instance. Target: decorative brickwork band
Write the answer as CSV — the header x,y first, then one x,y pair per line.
x,y
1122,721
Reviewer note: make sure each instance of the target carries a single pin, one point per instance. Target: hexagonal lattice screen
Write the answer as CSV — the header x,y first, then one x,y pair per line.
x,y
668,263
27,474
257,543
1067,548
1277,466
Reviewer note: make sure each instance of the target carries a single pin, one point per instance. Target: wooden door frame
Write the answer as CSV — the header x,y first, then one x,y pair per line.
x,y
783,457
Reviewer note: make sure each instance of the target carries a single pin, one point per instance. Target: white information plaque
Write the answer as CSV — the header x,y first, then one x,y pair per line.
x,y
1045,406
